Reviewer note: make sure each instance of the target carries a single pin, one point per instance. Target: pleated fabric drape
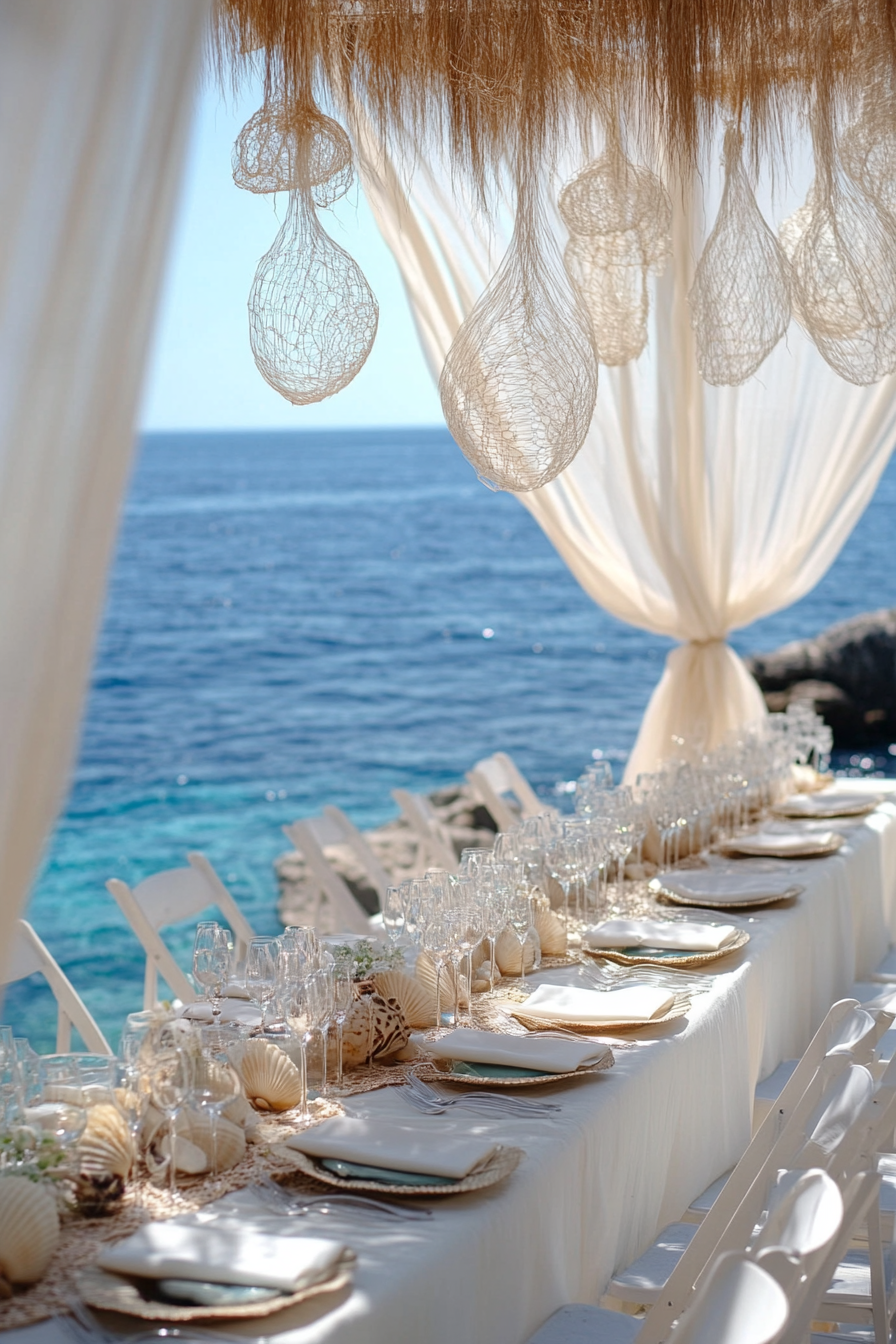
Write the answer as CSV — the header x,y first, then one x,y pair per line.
x,y
691,510
95,103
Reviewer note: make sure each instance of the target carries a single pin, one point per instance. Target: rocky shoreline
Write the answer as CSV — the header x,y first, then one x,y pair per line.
x,y
847,673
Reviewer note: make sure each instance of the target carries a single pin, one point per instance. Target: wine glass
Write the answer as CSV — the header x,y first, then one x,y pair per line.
x,y
261,975
300,1020
393,915
62,1109
437,941
343,998
216,1084
211,963
171,1078
319,995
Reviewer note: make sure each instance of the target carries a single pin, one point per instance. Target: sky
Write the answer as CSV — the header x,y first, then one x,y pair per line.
x,y
201,373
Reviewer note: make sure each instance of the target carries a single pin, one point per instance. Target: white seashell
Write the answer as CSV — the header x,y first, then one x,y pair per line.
x,y
271,1080
194,1132
417,1004
375,1028
507,953
480,986
189,1158
551,933
106,1145
29,1230
425,972
239,1112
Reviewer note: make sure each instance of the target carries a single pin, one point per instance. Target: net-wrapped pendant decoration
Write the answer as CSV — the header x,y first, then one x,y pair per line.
x,y
612,279
842,250
740,298
312,315
520,380
619,218
268,153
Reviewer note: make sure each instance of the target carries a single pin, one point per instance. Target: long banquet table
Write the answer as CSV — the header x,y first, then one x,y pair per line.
x,y
631,1147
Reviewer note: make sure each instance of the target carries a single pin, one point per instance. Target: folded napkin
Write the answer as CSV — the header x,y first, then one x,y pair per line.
x,y
488,1047
683,935
394,1144
564,1003
232,1010
216,1254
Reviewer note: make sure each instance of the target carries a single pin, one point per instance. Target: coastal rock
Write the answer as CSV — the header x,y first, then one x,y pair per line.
x,y
398,850
847,673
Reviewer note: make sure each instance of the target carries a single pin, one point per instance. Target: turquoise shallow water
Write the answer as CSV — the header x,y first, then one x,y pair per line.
x,y
295,619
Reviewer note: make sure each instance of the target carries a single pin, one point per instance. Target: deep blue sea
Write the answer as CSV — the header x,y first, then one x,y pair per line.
x,y
302,618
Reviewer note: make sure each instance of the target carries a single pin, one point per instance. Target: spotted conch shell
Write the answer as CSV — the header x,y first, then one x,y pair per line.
x,y
415,1000
29,1231
271,1080
374,1029
551,933
106,1146
507,953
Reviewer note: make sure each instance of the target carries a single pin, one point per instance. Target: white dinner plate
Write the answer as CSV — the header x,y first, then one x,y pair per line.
x,y
828,804
781,845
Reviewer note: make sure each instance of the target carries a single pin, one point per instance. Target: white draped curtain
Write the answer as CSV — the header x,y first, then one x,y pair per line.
x,y
691,510
95,103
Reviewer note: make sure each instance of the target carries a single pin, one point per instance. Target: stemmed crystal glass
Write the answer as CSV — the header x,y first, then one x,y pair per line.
x,y
319,994
170,1073
343,998
437,941
211,964
216,1084
300,1019
261,975
394,915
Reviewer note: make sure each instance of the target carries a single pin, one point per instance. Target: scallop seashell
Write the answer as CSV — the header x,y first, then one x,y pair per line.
x,y
481,953
239,1112
106,1146
417,1004
425,972
507,953
480,986
271,1080
29,1230
194,1131
551,933
189,1158
374,1029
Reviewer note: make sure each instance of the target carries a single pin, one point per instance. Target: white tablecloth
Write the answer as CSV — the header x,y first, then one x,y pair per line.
x,y
631,1147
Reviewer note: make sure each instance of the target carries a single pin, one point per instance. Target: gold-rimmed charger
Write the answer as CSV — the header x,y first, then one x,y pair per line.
x,y
679,1009
816,807
430,1072
810,847
496,1168
118,1292
671,959
706,901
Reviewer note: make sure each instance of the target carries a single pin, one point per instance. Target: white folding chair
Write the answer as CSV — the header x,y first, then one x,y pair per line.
x,y
30,956
373,870
309,836
166,898
493,779
740,1303
818,1124
433,837
846,1029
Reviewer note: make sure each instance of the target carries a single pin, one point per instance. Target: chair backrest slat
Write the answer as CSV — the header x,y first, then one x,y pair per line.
x,y
304,835
31,956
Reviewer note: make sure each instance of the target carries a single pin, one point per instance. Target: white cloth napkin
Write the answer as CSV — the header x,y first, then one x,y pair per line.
x,y
232,1010
565,1003
215,1254
395,1145
521,1052
683,935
